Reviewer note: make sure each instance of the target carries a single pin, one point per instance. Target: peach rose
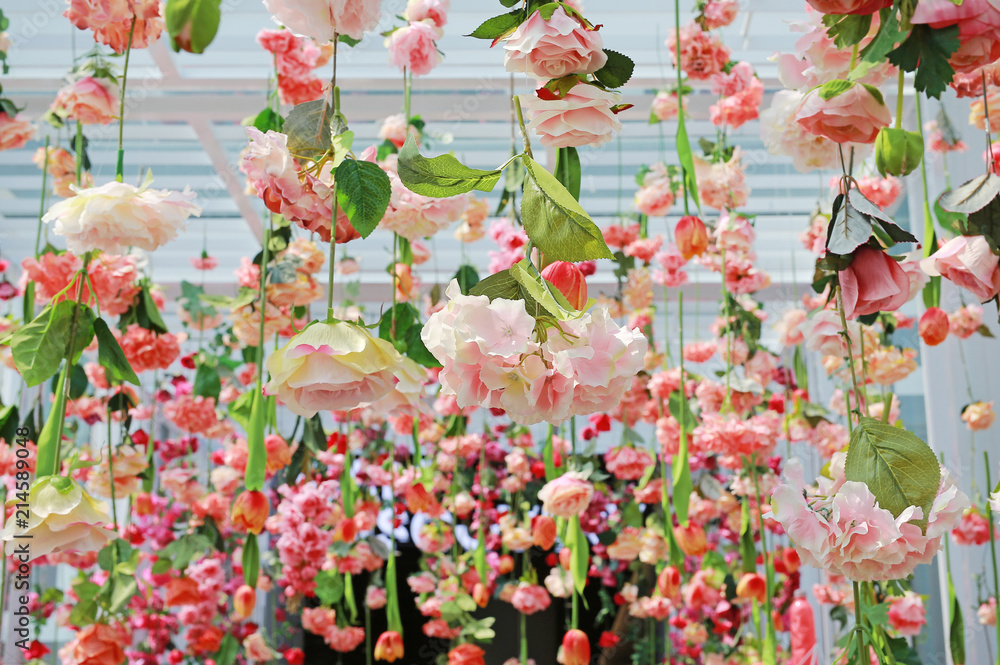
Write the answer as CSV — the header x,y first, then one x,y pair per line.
x,y
979,415
554,48
435,10
89,100
257,650
99,644
969,263
585,116
854,116
566,496
14,132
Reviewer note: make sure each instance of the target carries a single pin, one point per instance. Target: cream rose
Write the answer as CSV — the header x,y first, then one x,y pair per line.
x,y
62,517
585,116
332,367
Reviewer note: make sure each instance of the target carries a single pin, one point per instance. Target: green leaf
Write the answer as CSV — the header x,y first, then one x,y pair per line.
x,y
972,195
849,228
953,222
579,563
617,71
329,587
540,290
555,222
39,347
78,382
833,88
240,408
467,278
926,51
878,48
150,318
748,549
256,451
568,170
125,586
268,120
898,468
192,24
877,615
309,127
441,176
860,203
847,30
396,323
115,552
416,350
313,435
251,560
499,26
111,357
363,191
956,629
986,222
206,381
228,650
498,285
686,158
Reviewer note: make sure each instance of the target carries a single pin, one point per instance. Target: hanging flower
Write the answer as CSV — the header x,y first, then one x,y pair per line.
x,y
62,517
584,116
324,19
89,100
414,47
14,131
551,48
979,416
331,367
116,216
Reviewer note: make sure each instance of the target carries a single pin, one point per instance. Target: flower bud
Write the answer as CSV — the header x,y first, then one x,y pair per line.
x,y
389,646
543,532
669,582
565,557
569,279
897,151
143,504
691,237
346,531
934,326
506,564
481,594
792,560
244,601
575,648
250,510
751,586
691,539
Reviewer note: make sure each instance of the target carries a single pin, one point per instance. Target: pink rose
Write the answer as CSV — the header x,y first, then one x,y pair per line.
x,y
654,201
873,282
978,24
413,47
322,19
719,13
627,462
969,263
585,116
14,132
854,116
665,105
530,598
111,21
566,496
861,7
435,10
702,55
554,48
907,614
91,101
979,415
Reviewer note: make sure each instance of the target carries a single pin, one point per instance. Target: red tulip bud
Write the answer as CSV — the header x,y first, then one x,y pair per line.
x,y
691,237
249,511
669,582
244,601
576,648
934,326
506,564
691,539
791,558
751,586
570,281
544,532
480,594
143,503
565,557
389,646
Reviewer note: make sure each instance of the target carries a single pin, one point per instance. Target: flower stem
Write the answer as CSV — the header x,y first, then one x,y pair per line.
x,y
120,164
863,657
335,103
524,639
111,476
899,101
520,123
993,545
79,153
680,94
41,205
264,259
727,402
850,356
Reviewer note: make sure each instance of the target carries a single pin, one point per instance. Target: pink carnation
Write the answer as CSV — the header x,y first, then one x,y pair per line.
x,y
413,47
701,54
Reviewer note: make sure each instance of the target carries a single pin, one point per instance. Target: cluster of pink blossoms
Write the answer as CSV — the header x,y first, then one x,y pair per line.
x,y
741,92
287,190
493,357
112,277
111,21
656,194
839,526
295,59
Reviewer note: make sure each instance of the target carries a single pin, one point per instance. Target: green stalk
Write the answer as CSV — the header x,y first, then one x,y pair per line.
x,y
863,657
524,639
520,123
335,96
680,93
120,165
899,101
850,356
993,547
